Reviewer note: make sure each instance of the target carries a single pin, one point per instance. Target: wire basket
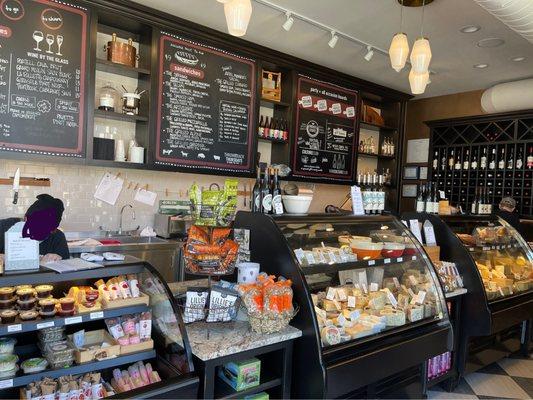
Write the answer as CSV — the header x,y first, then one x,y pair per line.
x,y
219,215
208,314
269,322
213,266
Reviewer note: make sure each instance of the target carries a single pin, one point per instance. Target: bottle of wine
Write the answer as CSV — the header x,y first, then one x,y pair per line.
x,y
451,160
277,204
473,164
466,161
434,200
501,161
428,204
510,160
520,158
265,192
261,127
256,193
492,163
482,206
458,164
420,199
285,129
367,194
436,160
483,161
443,160
266,128
473,207
382,194
530,158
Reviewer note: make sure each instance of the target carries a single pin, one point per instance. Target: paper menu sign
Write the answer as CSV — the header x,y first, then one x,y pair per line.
x,y
20,253
415,229
109,189
357,200
145,196
429,233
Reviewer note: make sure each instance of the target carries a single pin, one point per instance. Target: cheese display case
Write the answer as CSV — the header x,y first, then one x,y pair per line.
x,y
496,265
370,302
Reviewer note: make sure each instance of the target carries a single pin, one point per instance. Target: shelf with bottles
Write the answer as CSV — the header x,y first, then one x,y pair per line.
x,y
266,196
273,129
369,146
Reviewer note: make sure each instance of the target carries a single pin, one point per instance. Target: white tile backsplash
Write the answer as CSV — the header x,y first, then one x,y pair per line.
x,y
75,185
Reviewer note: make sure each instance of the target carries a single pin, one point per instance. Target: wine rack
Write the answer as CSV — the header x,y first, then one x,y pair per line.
x,y
510,133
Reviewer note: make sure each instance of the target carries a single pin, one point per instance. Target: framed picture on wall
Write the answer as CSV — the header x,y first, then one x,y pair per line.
x,y
410,172
423,173
409,191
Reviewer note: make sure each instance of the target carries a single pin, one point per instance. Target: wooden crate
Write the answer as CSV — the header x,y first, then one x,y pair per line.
x,y
97,337
270,79
135,348
120,303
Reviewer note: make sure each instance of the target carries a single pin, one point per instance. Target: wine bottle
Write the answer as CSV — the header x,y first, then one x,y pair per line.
x,y
382,194
473,208
458,163
501,161
256,193
530,158
436,160
443,161
428,205
261,127
473,164
420,199
266,128
466,161
367,194
451,161
277,204
483,161
265,192
492,163
520,158
510,160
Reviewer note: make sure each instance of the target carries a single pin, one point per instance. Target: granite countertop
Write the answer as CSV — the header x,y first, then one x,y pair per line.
x,y
231,337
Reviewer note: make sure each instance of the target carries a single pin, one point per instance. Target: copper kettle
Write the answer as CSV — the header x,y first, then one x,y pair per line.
x,y
120,52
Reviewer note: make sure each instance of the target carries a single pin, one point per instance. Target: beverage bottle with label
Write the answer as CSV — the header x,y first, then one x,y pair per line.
x,y
492,163
266,128
473,207
458,163
261,127
435,160
520,158
483,161
466,161
375,195
530,158
277,204
255,203
451,160
420,204
501,161
382,194
510,160
265,192
428,205
473,164
366,194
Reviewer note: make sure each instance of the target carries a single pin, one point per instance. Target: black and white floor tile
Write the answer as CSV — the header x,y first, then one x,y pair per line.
x,y
510,378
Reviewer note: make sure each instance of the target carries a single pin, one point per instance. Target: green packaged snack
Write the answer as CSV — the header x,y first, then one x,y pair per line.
x,y
211,203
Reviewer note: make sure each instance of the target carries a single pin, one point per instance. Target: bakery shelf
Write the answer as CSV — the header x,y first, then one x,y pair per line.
x,y
33,277
330,268
29,326
119,69
24,379
225,391
376,155
119,117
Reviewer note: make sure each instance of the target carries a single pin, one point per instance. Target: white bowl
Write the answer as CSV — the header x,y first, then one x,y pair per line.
x,y
296,204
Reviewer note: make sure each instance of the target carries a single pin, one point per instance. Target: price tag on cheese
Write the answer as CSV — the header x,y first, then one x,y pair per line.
x,y
391,298
321,313
300,255
331,293
337,305
341,294
354,315
374,287
421,297
351,301
321,258
365,288
341,320
411,293
413,280
14,328
310,258
332,257
415,229
396,282
96,315
73,320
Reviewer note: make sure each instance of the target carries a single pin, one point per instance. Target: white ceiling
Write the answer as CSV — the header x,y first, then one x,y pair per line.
x,y
375,22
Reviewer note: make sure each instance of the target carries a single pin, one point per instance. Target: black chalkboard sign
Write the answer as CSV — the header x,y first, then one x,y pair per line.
x,y
325,131
42,77
205,107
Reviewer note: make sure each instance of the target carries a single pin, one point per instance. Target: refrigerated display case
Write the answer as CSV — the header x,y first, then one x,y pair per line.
x,y
371,306
496,265
166,349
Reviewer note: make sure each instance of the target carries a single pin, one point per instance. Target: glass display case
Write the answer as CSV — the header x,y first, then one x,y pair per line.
x,y
371,305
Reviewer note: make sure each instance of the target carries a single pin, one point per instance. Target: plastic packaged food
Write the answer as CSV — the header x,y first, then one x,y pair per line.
x,y
8,316
43,291
60,354
8,362
49,335
196,298
7,345
25,294
33,365
6,293
27,304
28,315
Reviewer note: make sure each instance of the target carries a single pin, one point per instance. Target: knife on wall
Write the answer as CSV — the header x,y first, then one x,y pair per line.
x,y
16,184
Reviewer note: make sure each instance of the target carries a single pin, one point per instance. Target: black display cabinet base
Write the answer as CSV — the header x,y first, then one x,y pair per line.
x,y
276,367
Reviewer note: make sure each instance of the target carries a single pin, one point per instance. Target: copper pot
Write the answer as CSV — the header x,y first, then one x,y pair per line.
x,y
121,53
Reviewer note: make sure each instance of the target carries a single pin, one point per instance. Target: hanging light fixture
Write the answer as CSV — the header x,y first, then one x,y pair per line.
x,y
421,53
287,25
399,47
238,13
418,81
334,39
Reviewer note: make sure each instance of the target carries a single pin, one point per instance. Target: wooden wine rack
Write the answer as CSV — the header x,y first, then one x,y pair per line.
x,y
495,131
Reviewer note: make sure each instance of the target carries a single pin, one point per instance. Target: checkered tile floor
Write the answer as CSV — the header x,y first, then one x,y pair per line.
x,y
510,378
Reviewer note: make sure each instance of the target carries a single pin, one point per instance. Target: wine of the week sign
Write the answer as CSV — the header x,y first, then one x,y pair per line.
x,y
206,107
42,77
325,131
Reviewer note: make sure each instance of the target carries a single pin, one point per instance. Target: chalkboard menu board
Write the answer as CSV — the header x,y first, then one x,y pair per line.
x,y
325,131
42,75
206,107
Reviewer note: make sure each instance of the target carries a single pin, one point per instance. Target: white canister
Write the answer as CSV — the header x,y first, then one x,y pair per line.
x,y
248,272
120,150
137,155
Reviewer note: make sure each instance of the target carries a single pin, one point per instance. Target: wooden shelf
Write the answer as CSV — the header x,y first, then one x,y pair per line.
x,y
119,69
376,155
119,164
277,103
119,117
375,127
273,140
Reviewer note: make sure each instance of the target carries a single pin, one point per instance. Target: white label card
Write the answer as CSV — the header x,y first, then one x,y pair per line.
x,y
415,229
331,294
96,315
372,262
374,287
421,297
442,194
365,289
413,280
14,328
392,299
73,320
341,294
400,259
337,305
386,261
310,258
429,234
321,313
396,282
357,201
351,301
47,324
6,383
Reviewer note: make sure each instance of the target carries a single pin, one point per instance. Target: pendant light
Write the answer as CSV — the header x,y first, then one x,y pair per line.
x,y
421,53
238,13
418,81
399,47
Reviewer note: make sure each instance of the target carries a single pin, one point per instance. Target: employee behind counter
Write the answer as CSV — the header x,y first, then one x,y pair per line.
x,y
41,222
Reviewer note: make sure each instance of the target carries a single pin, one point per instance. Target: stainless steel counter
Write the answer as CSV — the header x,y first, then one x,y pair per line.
x,y
163,254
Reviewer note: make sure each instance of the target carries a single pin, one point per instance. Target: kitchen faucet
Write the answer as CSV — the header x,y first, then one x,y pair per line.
x,y
121,214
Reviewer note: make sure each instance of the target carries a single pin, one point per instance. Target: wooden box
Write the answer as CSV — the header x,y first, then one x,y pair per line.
x,y
135,348
120,303
271,85
96,338
371,116
433,253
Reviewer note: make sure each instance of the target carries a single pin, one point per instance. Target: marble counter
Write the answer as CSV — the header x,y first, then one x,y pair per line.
x,y
231,337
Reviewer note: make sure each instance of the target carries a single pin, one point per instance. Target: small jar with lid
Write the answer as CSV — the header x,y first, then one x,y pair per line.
x,y
108,98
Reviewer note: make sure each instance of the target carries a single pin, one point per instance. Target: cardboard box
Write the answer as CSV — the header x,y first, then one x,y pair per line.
x,y
241,375
97,338
135,348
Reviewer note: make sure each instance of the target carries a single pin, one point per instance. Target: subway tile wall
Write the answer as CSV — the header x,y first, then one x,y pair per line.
x,y
76,185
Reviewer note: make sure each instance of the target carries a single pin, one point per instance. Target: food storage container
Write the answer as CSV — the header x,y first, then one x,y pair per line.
x,y
8,316
392,249
7,345
366,250
297,204
33,365
120,52
49,335
6,293
8,362
43,291
60,354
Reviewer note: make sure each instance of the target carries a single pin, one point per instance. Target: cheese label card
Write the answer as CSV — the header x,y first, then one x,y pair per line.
x,y
411,293
415,229
341,320
374,287
429,234
354,315
333,258
310,258
413,280
396,282
321,313
331,294
392,299
421,297
341,294
351,301
300,255
337,305
365,289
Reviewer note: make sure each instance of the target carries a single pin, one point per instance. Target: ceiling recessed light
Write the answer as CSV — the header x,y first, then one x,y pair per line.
x,y
470,28
490,42
518,59
481,66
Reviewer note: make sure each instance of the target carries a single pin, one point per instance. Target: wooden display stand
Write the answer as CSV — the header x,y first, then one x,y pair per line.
x,y
271,85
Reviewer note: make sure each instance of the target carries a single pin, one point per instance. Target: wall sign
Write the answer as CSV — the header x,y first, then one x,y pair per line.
x,y
42,77
206,107
325,131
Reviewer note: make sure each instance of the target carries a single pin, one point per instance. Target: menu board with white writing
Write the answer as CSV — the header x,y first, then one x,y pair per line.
x,y
42,77
325,131
205,107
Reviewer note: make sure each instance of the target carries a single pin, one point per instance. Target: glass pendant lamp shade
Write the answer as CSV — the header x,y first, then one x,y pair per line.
x,y
398,51
238,13
418,81
421,55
